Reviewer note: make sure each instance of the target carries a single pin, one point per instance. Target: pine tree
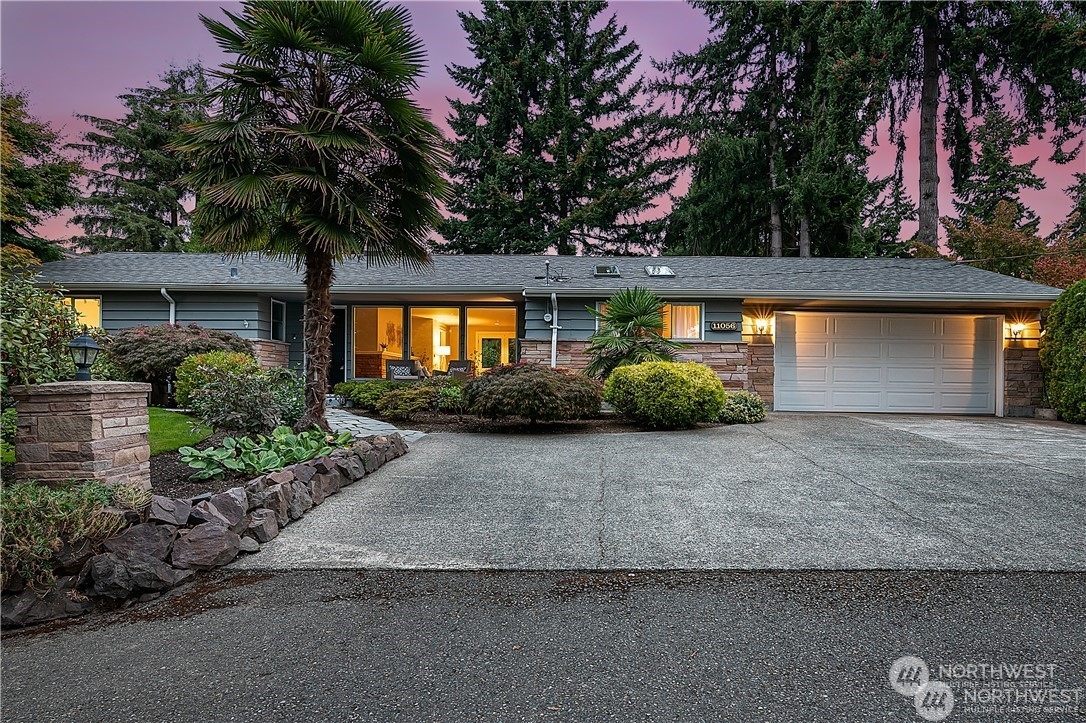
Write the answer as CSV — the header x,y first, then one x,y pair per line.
x,y
137,200
777,106
967,58
554,150
36,181
994,177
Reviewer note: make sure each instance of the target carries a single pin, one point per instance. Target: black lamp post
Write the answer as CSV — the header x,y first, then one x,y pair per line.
x,y
84,351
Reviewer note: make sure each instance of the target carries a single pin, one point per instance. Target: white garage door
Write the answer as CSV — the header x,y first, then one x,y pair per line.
x,y
886,363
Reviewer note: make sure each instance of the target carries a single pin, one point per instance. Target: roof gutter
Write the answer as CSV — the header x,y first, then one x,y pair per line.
x,y
173,305
808,295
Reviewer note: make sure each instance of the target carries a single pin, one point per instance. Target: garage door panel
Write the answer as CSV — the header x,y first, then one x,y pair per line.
x,y
887,363
857,375
910,328
812,350
910,375
857,400
857,350
910,350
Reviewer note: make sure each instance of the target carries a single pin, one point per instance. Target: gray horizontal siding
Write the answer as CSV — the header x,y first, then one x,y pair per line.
x,y
577,321
226,312
295,333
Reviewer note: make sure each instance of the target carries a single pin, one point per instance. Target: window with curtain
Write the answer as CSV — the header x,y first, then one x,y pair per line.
x,y
682,321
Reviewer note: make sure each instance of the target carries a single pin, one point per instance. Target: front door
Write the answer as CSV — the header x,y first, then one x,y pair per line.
x,y
337,370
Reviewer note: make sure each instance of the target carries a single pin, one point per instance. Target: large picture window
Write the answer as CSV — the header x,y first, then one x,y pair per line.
x,y
378,337
435,337
492,336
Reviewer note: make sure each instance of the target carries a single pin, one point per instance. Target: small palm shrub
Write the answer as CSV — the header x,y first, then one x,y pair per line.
x,y
631,328
153,353
742,407
1063,354
534,392
197,370
365,394
666,395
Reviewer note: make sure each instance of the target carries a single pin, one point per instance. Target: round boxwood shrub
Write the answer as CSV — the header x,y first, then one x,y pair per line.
x,y
742,407
1063,354
198,369
666,395
534,392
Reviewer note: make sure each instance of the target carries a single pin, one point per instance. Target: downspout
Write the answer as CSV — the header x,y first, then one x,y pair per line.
x,y
173,304
554,330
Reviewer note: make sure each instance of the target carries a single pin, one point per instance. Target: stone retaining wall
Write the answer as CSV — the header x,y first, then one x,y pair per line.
x,y
174,538
83,430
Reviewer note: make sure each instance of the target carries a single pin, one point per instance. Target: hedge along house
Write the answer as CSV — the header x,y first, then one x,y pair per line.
x,y
849,335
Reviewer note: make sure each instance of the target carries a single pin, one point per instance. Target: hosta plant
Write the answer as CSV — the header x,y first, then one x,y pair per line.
x,y
260,454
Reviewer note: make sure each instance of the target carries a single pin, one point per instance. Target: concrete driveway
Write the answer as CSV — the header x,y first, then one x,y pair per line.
x,y
798,491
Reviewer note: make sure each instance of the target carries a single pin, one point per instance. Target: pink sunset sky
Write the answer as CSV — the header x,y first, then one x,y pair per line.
x,y
76,57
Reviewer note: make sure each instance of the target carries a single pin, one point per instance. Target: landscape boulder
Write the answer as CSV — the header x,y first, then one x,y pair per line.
x,y
169,511
205,546
278,501
232,506
63,600
147,538
300,500
262,525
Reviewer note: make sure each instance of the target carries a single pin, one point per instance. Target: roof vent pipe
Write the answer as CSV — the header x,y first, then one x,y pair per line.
x,y
554,330
173,304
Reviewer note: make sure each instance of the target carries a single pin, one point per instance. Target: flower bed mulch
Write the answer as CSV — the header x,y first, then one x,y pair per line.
x,y
170,476
437,422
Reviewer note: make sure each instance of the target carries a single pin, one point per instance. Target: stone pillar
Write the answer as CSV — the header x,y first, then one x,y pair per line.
x,y
1023,383
83,430
762,370
271,353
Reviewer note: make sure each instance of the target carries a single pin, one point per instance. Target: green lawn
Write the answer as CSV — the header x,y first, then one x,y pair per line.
x,y
170,430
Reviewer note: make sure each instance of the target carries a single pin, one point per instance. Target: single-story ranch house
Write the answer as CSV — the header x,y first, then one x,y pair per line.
x,y
821,334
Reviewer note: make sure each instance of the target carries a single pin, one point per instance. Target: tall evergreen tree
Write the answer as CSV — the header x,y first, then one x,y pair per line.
x,y
777,106
970,57
554,150
995,177
36,181
137,199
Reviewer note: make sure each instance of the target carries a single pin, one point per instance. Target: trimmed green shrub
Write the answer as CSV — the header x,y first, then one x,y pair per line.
x,y
153,353
196,370
36,325
402,403
450,395
365,394
666,395
1063,354
289,388
247,455
742,407
534,392
36,520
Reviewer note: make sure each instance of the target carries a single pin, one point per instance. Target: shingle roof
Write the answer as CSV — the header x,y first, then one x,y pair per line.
x,y
738,277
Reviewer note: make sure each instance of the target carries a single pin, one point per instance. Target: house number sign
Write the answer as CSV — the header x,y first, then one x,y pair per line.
x,y
725,326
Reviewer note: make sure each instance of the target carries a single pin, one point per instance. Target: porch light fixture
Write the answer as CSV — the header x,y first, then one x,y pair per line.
x,y
84,351
1016,330
761,325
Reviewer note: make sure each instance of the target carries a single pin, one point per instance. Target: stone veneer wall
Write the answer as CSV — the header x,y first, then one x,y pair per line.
x,y
270,353
83,430
1023,383
728,360
761,371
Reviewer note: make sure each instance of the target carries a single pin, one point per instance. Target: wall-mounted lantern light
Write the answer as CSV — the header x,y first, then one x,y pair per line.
x,y
1016,330
84,351
761,325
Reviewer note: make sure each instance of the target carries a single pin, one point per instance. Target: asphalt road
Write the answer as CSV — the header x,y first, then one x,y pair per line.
x,y
547,646
799,491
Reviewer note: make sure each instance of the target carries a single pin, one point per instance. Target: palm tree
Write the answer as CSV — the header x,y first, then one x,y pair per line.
x,y
631,326
316,152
